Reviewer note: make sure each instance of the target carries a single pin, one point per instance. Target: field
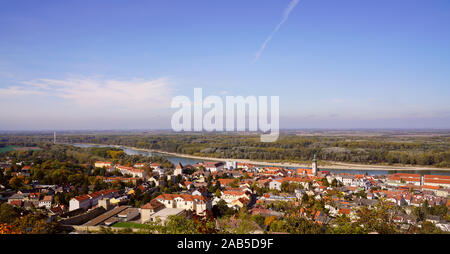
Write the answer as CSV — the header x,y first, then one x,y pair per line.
x,y
131,225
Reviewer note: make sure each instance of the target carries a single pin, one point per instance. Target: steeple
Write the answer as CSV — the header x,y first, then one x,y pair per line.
x,y
178,169
314,166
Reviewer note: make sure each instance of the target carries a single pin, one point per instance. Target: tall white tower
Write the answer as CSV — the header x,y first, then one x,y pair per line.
x,y
54,137
314,166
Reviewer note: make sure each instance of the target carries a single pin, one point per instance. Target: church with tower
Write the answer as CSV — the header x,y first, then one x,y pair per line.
x,y
314,171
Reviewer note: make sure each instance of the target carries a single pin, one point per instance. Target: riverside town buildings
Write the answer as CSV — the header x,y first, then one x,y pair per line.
x,y
195,190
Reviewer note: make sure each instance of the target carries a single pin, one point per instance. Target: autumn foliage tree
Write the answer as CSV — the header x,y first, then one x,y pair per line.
x,y
9,229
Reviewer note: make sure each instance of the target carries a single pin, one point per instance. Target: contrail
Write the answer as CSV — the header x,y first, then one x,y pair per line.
x,y
285,16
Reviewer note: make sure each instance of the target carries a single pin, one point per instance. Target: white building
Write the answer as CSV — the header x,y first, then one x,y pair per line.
x,y
46,202
131,171
103,164
231,195
178,169
89,200
275,184
197,204
80,202
230,165
437,180
213,166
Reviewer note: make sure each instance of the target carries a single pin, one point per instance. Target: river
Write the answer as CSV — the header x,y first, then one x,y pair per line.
x,y
190,161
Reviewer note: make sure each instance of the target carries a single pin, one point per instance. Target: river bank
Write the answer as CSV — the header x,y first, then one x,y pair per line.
x,y
329,166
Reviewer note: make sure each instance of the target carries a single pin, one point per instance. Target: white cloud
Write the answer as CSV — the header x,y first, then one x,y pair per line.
x,y
83,99
13,91
285,16
101,92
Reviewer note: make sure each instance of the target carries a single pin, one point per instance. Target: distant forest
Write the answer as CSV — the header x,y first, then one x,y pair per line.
x,y
412,150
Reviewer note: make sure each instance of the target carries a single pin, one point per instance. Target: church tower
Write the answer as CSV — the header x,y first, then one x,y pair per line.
x,y
178,169
314,166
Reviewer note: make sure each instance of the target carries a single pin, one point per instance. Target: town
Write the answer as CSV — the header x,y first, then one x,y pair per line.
x,y
212,197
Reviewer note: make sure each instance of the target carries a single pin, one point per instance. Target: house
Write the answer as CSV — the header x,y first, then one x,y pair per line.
x,y
313,215
89,200
17,197
150,208
225,182
198,204
239,203
437,180
404,178
276,198
156,180
263,183
299,193
46,202
433,219
159,171
213,166
155,166
25,171
276,184
304,171
230,165
17,203
348,181
135,172
231,195
103,164
80,202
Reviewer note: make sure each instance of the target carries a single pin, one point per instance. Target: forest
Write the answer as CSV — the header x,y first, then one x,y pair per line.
x,y
383,149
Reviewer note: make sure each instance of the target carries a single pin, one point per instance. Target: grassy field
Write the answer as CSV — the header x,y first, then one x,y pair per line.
x,y
130,225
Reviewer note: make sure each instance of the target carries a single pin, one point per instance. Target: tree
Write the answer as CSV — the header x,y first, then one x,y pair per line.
x,y
285,186
379,219
334,183
8,229
179,225
429,228
16,182
35,224
221,209
325,182
343,225
217,193
85,188
300,225
218,186
305,198
259,219
8,213
269,220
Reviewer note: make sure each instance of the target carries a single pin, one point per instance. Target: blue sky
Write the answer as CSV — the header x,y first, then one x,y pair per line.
x,y
116,64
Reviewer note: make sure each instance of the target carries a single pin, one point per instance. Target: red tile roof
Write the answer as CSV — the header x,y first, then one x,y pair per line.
x,y
152,204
